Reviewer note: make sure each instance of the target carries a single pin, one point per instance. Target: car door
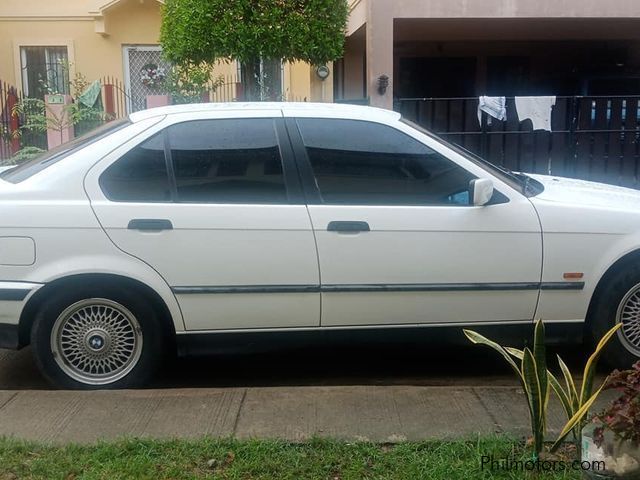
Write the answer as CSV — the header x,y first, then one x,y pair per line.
x,y
214,205
398,242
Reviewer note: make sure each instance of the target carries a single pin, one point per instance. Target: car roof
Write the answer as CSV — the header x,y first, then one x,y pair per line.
x,y
289,109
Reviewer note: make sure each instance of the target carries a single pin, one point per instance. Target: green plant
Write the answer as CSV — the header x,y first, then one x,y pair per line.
x,y
23,155
533,376
577,404
622,416
187,82
251,31
37,116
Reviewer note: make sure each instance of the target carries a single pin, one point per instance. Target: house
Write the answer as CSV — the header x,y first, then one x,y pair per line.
x,y
444,48
110,38
431,60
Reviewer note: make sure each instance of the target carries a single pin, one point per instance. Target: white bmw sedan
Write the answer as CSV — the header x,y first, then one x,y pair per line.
x,y
187,226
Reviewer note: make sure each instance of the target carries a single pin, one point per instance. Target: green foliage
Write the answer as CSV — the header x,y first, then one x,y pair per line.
x,y
576,404
38,117
622,416
533,377
187,82
200,31
536,379
23,155
266,460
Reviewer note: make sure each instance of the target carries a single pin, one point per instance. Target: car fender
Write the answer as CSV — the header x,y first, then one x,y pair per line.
x,y
121,265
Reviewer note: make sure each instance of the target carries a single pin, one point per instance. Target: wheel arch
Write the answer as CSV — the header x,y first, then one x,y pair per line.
x,y
628,259
34,303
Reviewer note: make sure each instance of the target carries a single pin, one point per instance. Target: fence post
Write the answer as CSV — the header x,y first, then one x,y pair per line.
x,y
239,91
158,101
484,141
14,123
60,131
109,101
573,136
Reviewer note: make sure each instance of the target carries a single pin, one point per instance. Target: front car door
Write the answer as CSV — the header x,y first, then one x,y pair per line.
x,y
398,242
212,202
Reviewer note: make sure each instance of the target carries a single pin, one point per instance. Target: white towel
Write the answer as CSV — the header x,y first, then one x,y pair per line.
x,y
495,107
537,109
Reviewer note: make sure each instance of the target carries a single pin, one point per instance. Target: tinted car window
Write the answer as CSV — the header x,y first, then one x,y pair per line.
x,y
227,161
140,175
357,162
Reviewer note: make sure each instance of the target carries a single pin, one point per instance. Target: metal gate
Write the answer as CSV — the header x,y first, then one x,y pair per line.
x,y
135,60
593,137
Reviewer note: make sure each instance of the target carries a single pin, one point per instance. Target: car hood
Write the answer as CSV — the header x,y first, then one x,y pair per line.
x,y
583,193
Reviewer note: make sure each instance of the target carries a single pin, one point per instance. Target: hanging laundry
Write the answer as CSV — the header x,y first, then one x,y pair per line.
x,y
91,94
537,109
495,107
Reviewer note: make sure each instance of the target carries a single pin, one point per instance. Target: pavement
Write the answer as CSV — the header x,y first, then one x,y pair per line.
x,y
353,395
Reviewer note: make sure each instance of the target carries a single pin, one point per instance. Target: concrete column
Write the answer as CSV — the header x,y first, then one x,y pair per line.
x,y
59,129
380,51
154,101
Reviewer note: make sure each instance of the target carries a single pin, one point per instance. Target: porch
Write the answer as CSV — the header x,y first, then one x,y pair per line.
x,y
461,57
432,60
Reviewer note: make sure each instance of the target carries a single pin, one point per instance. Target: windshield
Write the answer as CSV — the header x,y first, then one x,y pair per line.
x,y
519,181
48,158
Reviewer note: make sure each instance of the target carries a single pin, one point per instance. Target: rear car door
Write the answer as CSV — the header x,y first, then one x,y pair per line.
x,y
398,242
214,204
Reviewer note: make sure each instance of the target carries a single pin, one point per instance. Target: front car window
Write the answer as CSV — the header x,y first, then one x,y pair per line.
x,y
365,163
518,181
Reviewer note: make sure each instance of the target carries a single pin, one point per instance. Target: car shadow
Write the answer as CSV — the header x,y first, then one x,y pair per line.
x,y
397,365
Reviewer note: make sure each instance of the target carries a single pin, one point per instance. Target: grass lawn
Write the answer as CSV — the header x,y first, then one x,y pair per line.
x,y
249,460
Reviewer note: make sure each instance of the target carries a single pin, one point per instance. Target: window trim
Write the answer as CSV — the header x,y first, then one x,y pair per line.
x,y
292,183
41,42
311,188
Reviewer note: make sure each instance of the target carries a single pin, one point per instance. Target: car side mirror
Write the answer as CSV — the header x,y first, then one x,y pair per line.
x,y
480,191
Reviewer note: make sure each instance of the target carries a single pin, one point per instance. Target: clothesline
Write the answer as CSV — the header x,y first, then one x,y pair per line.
x,y
536,109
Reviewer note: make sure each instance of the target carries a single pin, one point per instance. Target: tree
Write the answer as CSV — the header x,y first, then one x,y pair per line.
x,y
252,31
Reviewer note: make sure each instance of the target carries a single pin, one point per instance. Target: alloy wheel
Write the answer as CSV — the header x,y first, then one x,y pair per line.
x,y
96,341
629,316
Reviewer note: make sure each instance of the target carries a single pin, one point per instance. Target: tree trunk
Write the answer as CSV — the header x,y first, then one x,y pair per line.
x,y
252,80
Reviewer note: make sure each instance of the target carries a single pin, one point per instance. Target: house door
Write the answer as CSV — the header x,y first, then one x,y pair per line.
x,y
144,71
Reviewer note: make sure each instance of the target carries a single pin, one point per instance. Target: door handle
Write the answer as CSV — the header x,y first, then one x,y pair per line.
x,y
154,224
348,227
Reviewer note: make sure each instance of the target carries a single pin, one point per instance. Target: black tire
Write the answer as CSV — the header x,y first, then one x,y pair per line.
x,y
141,367
621,351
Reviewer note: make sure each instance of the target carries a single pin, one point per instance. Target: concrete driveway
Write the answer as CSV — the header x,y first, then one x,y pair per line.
x,y
354,394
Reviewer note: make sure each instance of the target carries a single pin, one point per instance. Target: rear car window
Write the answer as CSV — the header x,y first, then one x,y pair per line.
x,y
227,161
140,175
202,161
50,157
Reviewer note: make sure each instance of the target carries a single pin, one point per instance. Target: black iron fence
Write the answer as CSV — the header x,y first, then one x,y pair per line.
x,y
12,136
595,138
